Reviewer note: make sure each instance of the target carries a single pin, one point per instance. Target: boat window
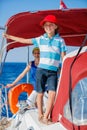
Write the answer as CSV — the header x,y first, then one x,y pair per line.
x,y
79,104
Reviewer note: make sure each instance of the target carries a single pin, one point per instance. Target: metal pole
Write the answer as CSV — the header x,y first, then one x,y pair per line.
x,y
0,101
6,105
27,63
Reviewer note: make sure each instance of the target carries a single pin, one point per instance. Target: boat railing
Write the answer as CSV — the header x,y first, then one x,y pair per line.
x,y
3,53
3,100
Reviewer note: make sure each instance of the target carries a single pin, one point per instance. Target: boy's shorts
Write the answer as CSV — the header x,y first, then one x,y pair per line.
x,y
45,78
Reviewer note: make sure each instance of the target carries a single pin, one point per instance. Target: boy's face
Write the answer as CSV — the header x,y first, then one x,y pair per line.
x,y
49,27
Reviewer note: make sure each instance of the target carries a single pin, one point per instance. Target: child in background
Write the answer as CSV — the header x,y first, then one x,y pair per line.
x,y
31,68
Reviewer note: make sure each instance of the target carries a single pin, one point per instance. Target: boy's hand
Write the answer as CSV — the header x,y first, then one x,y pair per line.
x,y
5,35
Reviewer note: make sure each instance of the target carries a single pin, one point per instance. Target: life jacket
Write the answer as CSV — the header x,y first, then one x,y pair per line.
x,y
14,93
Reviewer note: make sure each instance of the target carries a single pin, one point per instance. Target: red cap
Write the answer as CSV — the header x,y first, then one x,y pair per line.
x,y
49,18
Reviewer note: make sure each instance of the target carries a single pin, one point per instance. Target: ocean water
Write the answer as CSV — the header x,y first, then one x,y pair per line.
x,y
8,75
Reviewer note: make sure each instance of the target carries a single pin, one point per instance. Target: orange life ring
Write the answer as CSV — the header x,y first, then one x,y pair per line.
x,y
14,93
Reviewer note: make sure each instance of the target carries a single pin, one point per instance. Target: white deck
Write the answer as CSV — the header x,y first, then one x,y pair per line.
x,y
29,121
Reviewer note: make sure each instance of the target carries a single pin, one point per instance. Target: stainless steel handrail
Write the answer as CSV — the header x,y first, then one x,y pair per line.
x,y
3,100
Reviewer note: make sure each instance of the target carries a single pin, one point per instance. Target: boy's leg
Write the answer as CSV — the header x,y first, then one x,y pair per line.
x,y
40,104
40,83
50,103
52,86
45,98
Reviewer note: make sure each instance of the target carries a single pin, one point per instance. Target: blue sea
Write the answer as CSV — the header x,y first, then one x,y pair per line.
x,y
9,74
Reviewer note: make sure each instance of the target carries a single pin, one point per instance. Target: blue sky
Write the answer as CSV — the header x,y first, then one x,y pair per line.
x,y
11,7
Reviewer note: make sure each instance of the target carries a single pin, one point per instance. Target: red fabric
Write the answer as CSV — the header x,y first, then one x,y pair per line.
x,y
79,71
70,22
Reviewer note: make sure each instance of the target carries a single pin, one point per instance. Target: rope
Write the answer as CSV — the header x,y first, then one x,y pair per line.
x,y
70,79
4,123
74,35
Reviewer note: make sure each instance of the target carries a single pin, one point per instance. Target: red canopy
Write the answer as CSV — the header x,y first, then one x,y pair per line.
x,y
72,23
79,71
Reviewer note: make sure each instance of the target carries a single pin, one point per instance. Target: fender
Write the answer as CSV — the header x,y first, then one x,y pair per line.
x,y
14,93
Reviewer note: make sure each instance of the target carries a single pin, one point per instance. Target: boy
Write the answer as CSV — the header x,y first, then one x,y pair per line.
x,y
52,48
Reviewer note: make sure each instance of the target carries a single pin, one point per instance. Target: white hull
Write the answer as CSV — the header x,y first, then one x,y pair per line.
x,y
29,121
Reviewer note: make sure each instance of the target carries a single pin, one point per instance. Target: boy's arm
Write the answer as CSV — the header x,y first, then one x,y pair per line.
x,y
18,39
63,54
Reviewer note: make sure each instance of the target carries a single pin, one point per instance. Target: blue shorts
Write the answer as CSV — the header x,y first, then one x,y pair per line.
x,y
43,77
